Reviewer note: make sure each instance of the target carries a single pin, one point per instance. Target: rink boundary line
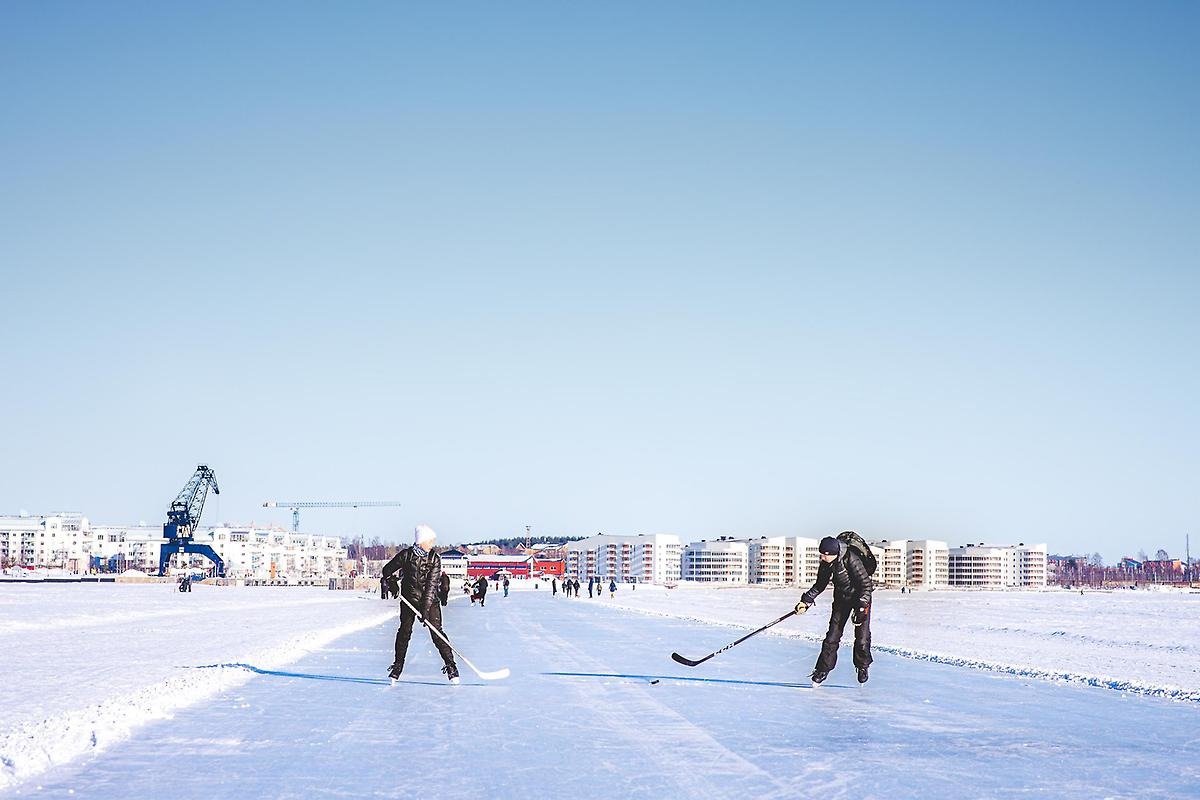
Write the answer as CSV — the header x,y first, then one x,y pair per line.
x,y
314,676
1172,693
688,679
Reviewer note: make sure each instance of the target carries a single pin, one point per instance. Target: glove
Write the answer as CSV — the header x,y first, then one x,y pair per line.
x,y
860,615
802,606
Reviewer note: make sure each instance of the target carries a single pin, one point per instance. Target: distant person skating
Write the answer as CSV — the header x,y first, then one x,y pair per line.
x,y
589,587
575,586
444,589
612,588
418,570
389,587
506,587
553,586
844,564
481,587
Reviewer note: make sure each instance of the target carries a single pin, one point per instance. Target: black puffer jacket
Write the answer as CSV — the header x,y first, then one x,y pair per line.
x,y
850,579
418,577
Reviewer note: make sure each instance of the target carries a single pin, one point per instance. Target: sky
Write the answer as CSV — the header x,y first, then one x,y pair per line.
x,y
921,270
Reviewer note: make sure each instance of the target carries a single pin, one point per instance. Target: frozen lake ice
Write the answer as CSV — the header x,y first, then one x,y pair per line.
x,y
581,715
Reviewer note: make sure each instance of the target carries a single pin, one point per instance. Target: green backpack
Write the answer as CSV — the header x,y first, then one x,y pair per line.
x,y
860,546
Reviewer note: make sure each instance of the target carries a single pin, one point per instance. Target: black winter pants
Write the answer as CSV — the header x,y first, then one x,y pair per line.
x,y
838,615
407,619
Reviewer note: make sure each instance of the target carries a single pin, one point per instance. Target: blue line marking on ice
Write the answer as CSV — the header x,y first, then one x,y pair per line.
x,y
315,677
679,678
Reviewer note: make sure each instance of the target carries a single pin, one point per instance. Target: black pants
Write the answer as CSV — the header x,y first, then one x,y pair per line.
x,y
838,615
407,619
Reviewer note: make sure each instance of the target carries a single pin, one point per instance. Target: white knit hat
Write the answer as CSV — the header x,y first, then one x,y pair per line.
x,y
423,533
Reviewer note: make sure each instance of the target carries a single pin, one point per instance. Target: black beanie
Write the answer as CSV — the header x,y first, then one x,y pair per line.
x,y
830,546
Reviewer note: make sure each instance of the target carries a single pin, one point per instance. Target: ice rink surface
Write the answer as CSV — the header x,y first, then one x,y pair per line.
x,y
580,716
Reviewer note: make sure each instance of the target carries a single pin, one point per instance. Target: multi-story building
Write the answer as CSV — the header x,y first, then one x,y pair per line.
x,y
770,560
263,552
69,542
998,566
52,540
549,567
724,560
454,564
912,563
485,566
116,548
644,558
783,560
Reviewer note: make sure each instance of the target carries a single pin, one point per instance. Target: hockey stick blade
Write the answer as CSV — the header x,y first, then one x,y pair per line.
x,y
495,675
687,662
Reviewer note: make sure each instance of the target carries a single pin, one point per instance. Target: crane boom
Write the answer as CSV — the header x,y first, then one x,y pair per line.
x,y
296,505
189,504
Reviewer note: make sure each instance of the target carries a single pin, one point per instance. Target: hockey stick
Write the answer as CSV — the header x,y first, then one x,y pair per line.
x,y
695,662
487,676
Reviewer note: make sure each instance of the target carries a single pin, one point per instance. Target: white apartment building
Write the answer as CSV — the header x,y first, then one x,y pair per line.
x,y
911,563
644,558
265,552
454,564
783,560
998,566
53,540
69,542
722,561
116,548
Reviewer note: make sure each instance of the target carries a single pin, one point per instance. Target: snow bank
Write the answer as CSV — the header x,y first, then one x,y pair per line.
x,y
1142,642
85,665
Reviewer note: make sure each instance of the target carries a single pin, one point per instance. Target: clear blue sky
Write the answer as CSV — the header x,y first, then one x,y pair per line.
x,y
918,269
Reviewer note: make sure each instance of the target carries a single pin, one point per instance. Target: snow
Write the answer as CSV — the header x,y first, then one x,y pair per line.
x,y
1139,641
87,664
138,690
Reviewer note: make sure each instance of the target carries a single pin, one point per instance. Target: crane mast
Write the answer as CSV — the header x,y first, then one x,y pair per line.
x,y
183,517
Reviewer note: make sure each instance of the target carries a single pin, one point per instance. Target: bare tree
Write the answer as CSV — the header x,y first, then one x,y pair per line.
x,y
1142,556
1161,555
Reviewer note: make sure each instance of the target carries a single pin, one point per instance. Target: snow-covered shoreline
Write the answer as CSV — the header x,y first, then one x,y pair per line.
x,y
87,664
1136,641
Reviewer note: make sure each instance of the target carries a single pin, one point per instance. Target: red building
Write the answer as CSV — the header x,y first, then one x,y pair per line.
x,y
549,566
487,566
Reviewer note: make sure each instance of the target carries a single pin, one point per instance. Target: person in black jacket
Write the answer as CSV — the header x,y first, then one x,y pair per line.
x,y
444,589
481,587
842,564
419,569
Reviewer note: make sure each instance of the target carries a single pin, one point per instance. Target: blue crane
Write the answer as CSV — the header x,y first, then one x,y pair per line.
x,y
182,519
